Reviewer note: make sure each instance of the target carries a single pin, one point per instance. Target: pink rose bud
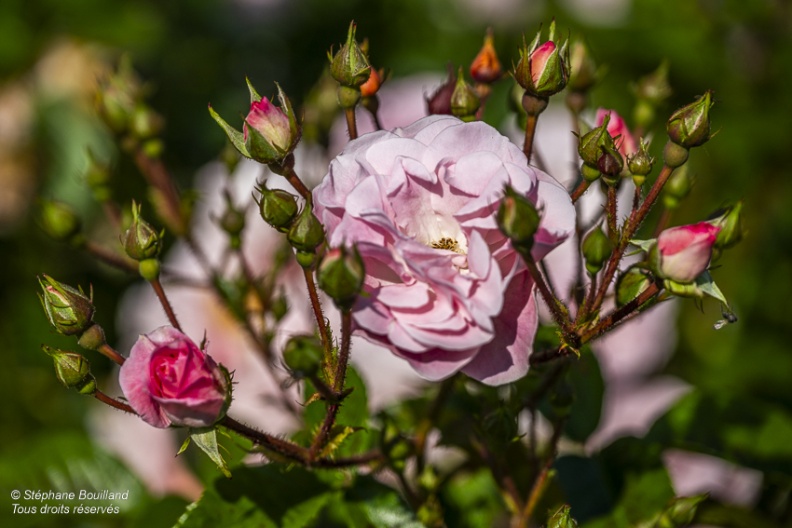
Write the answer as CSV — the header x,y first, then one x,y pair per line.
x,y
683,253
618,130
269,121
543,70
168,380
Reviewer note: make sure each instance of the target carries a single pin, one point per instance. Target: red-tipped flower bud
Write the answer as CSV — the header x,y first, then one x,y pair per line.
x,y
439,103
683,253
269,133
141,241
543,69
341,275
72,369
690,125
70,311
486,68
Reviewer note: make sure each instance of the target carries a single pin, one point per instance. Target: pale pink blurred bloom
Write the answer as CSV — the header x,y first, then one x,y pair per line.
x,y
694,473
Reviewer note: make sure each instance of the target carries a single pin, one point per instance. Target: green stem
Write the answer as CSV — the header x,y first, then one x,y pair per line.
x,y
351,122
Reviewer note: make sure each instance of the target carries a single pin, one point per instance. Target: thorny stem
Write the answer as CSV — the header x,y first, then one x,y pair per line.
x,y
319,315
112,402
351,122
613,318
338,386
286,169
557,309
610,207
166,305
630,227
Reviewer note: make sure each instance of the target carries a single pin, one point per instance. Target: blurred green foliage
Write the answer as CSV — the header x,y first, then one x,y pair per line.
x,y
199,51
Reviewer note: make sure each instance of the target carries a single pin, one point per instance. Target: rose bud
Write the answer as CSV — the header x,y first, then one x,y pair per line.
x,y
651,90
341,275
618,130
373,84
73,370
543,70
168,381
683,253
597,249
486,68
306,233
677,187
59,221
690,125
141,241
518,219
640,164
583,74
439,103
610,164
278,208
68,310
269,133
303,355
349,66
464,101
592,142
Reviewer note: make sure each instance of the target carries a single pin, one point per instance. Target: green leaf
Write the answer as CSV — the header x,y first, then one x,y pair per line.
x,y
207,441
254,95
708,287
644,245
473,501
586,380
235,136
267,496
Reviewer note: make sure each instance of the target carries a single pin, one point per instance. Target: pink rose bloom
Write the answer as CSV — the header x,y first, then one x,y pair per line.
x,y
684,252
617,128
168,380
444,289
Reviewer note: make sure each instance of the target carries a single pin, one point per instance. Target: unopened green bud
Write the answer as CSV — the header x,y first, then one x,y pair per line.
x,y
592,143
675,155
141,241
341,275
690,125
730,222
303,355
70,311
677,187
232,221
145,123
97,176
59,220
650,91
278,208
118,95
683,509
306,233
562,519
518,219
72,369
631,284
349,66
597,249
640,164
464,101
